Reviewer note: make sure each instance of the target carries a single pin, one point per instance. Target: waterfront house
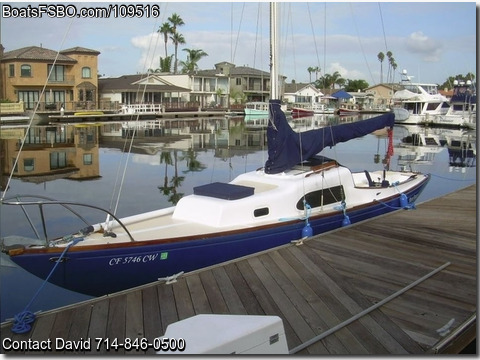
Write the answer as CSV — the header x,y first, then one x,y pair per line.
x,y
302,94
71,81
382,94
153,88
217,87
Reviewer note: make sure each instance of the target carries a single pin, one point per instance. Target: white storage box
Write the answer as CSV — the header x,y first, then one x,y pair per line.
x,y
229,334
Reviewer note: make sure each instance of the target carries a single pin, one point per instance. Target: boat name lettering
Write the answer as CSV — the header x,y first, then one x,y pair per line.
x,y
132,259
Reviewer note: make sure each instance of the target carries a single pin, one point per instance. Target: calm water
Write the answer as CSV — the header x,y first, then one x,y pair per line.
x,y
162,169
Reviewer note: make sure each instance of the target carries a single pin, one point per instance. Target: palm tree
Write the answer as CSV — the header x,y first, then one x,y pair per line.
x,y
392,67
166,64
166,29
165,157
177,39
175,20
193,57
389,57
337,79
317,71
381,57
310,70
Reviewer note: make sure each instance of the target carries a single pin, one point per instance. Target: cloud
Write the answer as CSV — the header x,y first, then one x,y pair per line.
x,y
150,47
429,49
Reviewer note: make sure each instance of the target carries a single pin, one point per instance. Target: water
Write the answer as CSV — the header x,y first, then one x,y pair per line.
x,y
161,169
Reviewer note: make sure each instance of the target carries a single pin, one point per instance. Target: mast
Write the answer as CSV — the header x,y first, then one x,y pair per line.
x,y
274,86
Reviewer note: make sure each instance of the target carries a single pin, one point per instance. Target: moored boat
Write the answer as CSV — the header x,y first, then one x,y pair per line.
x,y
297,194
256,108
418,103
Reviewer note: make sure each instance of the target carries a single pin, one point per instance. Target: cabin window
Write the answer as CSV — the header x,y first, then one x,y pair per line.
x,y
261,212
322,197
26,71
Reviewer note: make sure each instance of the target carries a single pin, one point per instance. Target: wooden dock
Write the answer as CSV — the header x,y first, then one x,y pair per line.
x,y
315,287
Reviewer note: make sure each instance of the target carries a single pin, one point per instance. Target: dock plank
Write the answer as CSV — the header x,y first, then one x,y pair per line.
x,y
315,286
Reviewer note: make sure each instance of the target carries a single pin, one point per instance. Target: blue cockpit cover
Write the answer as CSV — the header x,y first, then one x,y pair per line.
x,y
287,148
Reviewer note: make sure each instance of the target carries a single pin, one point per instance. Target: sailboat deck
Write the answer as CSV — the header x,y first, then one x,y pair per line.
x,y
314,287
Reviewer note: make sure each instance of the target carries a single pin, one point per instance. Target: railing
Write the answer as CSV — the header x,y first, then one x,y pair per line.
x,y
12,108
67,205
62,80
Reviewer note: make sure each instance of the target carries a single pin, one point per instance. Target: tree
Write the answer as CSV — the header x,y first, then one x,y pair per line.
x,y
389,57
166,29
355,85
313,69
177,39
329,81
317,71
448,84
393,65
175,20
166,64
310,70
193,57
381,57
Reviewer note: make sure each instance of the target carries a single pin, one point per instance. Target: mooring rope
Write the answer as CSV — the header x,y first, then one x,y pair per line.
x,y
22,321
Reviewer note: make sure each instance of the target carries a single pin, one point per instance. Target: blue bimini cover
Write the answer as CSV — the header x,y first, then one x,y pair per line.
x,y
224,191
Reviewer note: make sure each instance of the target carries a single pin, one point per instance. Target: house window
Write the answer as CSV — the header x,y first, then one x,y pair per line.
x,y
87,159
238,81
86,72
28,164
26,71
57,73
11,70
58,160
29,98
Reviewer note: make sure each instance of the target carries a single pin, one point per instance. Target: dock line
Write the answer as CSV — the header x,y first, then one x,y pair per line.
x,y
366,311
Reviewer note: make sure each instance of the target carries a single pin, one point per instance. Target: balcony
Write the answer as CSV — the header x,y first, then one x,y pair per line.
x,y
62,80
12,108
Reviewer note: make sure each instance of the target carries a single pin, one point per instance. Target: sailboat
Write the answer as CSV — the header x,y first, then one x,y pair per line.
x,y
295,195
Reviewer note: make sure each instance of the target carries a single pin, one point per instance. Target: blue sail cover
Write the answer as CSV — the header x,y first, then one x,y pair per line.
x,y
287,148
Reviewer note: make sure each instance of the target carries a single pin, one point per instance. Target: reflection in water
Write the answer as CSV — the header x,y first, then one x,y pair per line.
x,y
71,151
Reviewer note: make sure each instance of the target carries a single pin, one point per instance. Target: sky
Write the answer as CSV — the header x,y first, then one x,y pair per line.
x,y
431,40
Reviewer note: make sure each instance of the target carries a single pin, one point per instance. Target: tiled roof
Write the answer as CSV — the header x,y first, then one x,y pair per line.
x,y
294,87
127,83
236,71
36,53
79,49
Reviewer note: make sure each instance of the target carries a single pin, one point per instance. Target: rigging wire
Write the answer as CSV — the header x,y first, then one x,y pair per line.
x,y
383,27
360,42
238,34
313,33
118,188
29,126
